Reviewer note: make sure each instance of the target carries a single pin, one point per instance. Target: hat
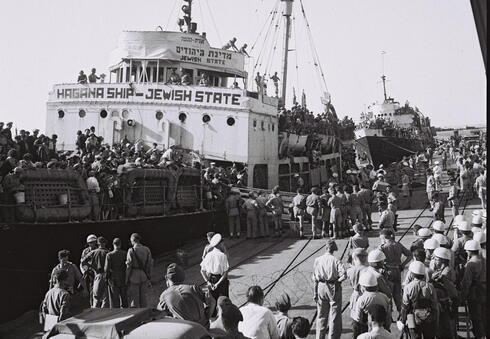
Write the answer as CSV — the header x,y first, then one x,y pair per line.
x,y
436,162
424,233
381,166
438,225
442,253
296,175
348,171
481,237
91,238
368,279
405,163
472,245
175,273
331,244
477,220
441,238
475,230
335,174
457,219
464,226
376,256
431,244
416,267
215,240
380,175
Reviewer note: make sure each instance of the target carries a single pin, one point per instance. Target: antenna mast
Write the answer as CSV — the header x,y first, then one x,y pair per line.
x,y
286,12
383,76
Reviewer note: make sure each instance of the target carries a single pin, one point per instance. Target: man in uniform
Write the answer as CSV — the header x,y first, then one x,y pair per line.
x,y
367,197
387,218
74,278
87,273
96,261
250,208
460,255
356,206
422,234
430,187
394,265
115,268
276,205
139,264
262,214
378,320
299,207
56,304
392,200
325,212
313,207
328,274
186,302
335,213
474,287
376,261
232,206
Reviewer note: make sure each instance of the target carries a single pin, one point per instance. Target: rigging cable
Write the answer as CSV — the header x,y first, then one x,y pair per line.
x,y
170,15
296,51
202,16
272,51
274,9
214,22
258,63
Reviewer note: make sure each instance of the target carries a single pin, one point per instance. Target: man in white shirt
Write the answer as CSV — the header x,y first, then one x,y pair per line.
x,y
258,321
93,189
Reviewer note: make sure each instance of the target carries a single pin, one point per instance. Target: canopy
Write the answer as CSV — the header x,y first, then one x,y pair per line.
x,y
176,46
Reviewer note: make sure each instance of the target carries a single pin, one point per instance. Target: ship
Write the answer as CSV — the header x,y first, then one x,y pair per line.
x,y
388,131
214,115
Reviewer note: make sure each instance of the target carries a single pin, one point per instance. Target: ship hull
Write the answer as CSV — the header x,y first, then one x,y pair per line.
x,y
385,150
29,250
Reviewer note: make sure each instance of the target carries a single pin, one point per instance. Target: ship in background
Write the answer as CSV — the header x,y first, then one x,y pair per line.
x,y
388,131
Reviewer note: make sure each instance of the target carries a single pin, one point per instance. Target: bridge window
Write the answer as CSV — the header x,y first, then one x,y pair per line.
x,y
159,115
103,113
230,121
206,118
61,114
82,113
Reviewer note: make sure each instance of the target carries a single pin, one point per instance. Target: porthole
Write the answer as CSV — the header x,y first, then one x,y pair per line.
x,y
206,118
61,114
82,113
125,114
103,113
182,117
230,121
159,115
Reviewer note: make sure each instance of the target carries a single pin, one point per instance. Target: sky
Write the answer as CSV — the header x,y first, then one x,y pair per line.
x,y
432,59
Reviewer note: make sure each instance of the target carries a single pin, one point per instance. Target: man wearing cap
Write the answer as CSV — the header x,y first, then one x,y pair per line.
x,y
87,272
328,274
365,304
96,261
392,201
380,185
139,265
474,287
442,279
419,301
429,246
232,206
359,265
74,279
439,228
115,268
258,321
276,205
355,202
387,218
214,269
422,234
313,206
229,316
325,212
186,302
460,255
376,261
394,265
284,322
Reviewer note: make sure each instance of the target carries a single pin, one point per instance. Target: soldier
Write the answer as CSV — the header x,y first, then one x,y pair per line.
x,y
74,281
87,272
422,235
232,206
380,185
335,214
276,205
299,209
430,187
481,187
429,246
452,194
439,228
250,208
325,212
96,261
358,240
139,264
186,302
367,196
313,206
378,320
356,205
115,268
394,266
438,207
392,200
328,274
344,207
481,237
366,302
442,279
262,214
376,260
56,303
387,218
460,255
419,301
474,286
359,265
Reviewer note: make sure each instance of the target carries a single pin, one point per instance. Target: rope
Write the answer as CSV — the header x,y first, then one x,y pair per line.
x,y
295,50
171,14
273,50
214,22
274,9
259,57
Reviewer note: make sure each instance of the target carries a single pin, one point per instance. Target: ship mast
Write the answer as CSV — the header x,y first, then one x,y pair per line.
x,y
286,12
187,20
383,76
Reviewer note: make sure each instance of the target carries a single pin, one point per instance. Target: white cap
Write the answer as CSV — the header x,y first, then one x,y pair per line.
x,y
476,230
458,219
376,256
348,171
438,225
436,162
368,279
215,240
424,233
441,238
416,267
472,245
405,163
431,244
480,237
464,226
442,253
91,238
335,174
476,212
477,220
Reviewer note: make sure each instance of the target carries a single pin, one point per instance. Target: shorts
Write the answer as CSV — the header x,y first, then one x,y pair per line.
x,y
298,212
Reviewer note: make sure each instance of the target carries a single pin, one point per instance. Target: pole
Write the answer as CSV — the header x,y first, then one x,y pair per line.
x,y
287,10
